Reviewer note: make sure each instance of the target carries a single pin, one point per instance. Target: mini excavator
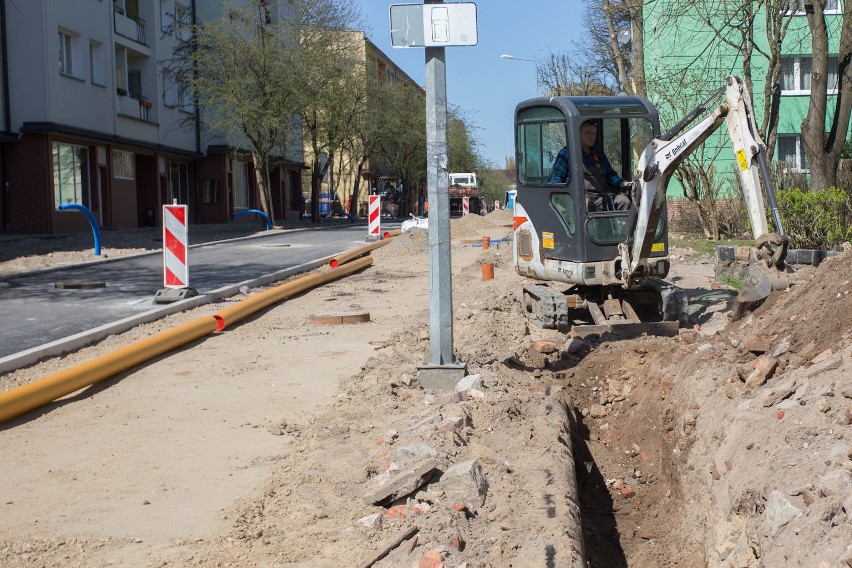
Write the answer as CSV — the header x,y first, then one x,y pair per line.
x,y
599,271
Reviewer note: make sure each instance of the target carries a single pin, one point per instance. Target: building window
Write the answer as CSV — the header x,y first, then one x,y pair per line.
x,y
70,174
178,182
66,53
210,188
170,91
96,60
184,88
123,165
790,151
183,21
797,7
241,184
796,74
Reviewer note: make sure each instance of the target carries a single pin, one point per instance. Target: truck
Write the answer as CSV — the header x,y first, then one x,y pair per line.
x,y
603,270
463,185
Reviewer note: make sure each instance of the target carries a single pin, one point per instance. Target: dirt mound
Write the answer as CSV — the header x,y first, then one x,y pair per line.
x,y
812,316
497,223
410,243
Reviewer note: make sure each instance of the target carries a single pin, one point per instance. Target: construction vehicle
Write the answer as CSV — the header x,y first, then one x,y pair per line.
x,y
603,271
394,202
463,185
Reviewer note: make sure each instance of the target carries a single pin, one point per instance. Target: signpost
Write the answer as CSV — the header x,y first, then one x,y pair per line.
x,y
435,25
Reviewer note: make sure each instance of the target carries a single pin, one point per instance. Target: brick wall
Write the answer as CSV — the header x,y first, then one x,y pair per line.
x,y
30,174
213,168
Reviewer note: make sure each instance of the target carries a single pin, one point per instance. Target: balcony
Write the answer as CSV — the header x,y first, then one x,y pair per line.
x,y
134,106
131,27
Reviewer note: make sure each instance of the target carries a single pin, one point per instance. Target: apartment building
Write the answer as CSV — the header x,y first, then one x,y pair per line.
x,y
91,117
685,62
340,179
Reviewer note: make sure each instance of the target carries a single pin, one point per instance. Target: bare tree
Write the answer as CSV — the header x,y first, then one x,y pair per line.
x,y
462,147
569,73
824,142
238,69
608,42
329,72
616,41
404,149
370,132
733,25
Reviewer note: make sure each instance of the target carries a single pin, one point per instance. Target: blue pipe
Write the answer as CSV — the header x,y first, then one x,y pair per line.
x,y
256,212
95,230
498,241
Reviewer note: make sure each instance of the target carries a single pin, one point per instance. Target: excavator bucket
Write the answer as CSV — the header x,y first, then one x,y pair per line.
x,y
766,275
757,286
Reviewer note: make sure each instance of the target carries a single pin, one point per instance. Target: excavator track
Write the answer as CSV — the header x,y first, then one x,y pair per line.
x,y
548,307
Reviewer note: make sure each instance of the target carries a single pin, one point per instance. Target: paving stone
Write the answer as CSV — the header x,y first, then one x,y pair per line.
x,y
469,382
393,484
465,483
779,511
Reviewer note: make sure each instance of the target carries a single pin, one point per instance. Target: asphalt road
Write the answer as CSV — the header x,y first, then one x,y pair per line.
x,y
33,311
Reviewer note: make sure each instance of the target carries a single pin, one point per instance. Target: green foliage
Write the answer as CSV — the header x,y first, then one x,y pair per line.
x,y
731,282
816,220
461,147
702,246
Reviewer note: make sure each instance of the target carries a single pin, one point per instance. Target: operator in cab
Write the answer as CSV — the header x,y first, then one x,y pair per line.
x,y
600,179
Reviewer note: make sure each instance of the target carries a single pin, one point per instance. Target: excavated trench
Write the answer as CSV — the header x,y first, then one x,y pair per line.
x,y
626,449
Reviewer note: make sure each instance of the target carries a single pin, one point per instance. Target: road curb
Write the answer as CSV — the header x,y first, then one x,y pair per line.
x,y
32,356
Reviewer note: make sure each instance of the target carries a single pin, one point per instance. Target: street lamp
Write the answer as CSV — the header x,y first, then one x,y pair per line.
x,y
512,57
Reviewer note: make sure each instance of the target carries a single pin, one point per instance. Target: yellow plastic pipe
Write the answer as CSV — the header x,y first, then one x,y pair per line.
x,y
30,396
357,252
235,313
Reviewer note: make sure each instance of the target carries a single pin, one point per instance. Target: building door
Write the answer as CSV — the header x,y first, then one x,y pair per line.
x,y
178,182
241,185
134,83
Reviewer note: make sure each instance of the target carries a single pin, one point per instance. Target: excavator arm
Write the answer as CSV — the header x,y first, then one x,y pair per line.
x,y
662,156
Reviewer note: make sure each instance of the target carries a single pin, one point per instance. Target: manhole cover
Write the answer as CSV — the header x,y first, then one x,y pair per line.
x,y
340,318
79,284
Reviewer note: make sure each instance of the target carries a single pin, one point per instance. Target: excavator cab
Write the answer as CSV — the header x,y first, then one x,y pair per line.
x,y
567,238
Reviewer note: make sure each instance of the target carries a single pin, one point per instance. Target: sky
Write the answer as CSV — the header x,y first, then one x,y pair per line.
x,y
482,84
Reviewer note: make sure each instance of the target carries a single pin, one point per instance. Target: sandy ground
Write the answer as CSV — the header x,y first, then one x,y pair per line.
x,y
256,446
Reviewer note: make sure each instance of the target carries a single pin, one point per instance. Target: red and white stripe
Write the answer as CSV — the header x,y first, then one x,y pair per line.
x,y
175,241
465,206
374,215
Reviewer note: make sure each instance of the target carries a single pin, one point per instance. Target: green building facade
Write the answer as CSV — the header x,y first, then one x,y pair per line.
x,y
692,46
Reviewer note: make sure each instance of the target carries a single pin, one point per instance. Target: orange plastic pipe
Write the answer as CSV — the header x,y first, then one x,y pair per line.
x,y
235,313
357,252
30,396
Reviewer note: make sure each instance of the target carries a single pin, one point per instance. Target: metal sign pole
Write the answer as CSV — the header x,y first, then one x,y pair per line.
x,y
442,370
